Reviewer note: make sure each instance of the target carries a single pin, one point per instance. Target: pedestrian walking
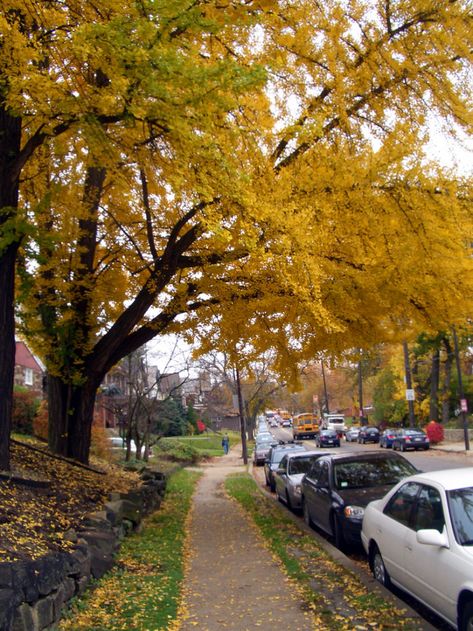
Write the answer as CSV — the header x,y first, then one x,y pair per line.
x,y
225,443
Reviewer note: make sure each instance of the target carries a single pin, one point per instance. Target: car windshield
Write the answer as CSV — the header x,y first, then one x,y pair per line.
x,y
461,509
414,432
329,433
364,473
264,445
300,465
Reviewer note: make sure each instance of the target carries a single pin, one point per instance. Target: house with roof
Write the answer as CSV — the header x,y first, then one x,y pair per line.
x,y
29,369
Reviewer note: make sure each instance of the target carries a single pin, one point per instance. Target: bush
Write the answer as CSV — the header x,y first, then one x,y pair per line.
x,y
100,445
25,406
435,432
40,421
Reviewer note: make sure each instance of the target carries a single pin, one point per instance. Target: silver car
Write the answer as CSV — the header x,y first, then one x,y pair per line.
x,y
351,435
261,451
289,474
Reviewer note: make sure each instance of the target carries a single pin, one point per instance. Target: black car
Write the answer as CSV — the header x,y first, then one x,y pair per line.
x,y
327,438
339,486
410,438
368,434
275,456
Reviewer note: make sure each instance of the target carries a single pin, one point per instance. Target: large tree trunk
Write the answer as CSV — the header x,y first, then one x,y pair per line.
x,y
434,386
71,415
7,350
10,138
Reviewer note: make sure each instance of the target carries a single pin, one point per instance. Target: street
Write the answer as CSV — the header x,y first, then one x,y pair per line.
x,y
430,460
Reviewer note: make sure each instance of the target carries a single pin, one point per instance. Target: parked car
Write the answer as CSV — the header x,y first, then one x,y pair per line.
x,y
338,487
119,444
351,435
327,438
275,456
261,451
387,437
410,438
263,436
288,476
368,434
420,537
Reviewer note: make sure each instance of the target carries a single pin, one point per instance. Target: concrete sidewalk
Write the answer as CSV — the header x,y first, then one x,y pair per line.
x,y
232,581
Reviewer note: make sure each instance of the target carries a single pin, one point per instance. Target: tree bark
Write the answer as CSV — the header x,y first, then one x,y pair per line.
x,y
7,351
10,239
71,415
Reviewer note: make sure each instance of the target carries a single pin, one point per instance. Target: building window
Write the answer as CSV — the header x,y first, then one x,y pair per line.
x,y
28,376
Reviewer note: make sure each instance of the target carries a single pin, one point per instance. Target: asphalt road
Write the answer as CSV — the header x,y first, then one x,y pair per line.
x,y
431,460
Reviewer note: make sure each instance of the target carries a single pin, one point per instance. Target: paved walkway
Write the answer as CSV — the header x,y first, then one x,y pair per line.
x,y
232,581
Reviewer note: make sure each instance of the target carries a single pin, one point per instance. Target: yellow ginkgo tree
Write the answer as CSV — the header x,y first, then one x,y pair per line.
x,y
243,170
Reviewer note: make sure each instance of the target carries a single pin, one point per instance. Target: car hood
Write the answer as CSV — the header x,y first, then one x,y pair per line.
x,y
362,497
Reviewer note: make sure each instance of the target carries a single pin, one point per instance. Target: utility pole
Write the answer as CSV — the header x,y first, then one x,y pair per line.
x,y
463,401
360,393
242,418
409,389
325,388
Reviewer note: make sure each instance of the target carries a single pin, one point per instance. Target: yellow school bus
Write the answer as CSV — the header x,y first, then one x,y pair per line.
x,y
305,426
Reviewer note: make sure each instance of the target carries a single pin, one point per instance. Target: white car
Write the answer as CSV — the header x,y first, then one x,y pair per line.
x,y
420,537
117,443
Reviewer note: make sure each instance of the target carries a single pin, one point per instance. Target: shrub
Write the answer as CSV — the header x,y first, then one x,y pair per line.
x,y
25,406
100,445
435,432
40,421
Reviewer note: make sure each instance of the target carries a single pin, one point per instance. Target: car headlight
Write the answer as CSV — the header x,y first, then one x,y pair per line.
x,y
297,489
354,512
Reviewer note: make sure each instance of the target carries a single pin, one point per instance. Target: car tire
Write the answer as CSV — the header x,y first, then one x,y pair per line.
x,y
338,536
306,514
272,487
378,568
288,501
466,617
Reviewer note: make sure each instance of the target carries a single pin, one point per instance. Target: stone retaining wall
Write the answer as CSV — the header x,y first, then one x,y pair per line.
x,y
33,593
456,435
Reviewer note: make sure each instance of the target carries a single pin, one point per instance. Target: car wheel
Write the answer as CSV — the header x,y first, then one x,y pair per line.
x,y
272,487
305,512
378,568
466,617
338,536
288,501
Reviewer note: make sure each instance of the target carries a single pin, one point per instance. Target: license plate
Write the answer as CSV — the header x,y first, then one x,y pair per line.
x,y
417,440
329,442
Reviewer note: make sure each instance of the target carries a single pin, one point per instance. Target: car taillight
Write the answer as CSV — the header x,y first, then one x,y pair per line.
x,y
408,440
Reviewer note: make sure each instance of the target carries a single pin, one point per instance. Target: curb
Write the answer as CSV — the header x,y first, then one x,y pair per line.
x,y
371,584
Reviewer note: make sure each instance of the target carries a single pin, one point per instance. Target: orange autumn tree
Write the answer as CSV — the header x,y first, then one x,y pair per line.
x,y
215,174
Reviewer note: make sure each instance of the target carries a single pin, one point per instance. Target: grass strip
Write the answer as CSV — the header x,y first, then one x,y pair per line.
x,y
143,591
337,597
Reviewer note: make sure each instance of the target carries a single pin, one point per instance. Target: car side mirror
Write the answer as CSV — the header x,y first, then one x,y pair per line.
x,y
432,537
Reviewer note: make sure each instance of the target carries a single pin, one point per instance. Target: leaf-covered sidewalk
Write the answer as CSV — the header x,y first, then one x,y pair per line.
x,y
232,580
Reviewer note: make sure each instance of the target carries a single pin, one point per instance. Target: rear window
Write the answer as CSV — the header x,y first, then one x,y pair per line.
x,y
370,473
300,465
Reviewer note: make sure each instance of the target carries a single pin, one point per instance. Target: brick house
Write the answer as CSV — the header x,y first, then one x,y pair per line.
x,y
29,371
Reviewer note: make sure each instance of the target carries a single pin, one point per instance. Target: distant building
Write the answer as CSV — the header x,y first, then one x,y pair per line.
x,y
29,370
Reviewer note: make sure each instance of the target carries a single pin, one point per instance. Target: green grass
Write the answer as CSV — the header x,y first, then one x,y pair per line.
x,y
337,597
192,448
143,591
